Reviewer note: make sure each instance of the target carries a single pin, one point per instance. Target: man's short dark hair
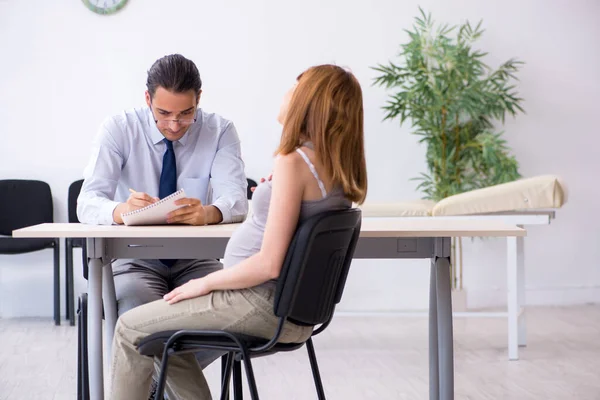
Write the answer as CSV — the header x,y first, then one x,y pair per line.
x,y
174,73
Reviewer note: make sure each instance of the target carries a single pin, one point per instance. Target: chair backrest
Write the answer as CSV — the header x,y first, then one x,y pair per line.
x,y
74,190
251,183
316,266
24,203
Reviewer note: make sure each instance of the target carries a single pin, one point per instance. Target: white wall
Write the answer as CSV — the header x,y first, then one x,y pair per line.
x,y
63,69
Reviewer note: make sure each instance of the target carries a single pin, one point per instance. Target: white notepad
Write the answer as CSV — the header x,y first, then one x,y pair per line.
x,y
155,213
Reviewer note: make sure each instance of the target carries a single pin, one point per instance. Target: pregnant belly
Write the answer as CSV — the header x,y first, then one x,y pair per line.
x,y
245,242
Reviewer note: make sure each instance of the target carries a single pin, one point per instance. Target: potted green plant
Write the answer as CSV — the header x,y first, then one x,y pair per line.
x,y
453,101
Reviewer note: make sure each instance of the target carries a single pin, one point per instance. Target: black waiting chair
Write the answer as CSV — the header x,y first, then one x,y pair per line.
x,y
24,203
70,244
310,285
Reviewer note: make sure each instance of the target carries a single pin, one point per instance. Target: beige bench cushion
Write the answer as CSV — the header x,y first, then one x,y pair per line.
x,y
417,208
540,192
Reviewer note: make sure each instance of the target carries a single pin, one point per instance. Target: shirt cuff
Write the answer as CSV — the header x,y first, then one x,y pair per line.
x,y
225,211
231,215
106,213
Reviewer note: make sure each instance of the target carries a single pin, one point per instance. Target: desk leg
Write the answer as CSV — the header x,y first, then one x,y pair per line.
x,y
512,300
68,265
110,308
445,335
434,376
521,291
70,287
95,329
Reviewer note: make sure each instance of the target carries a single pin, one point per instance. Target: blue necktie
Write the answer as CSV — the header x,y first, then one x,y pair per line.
x,y
168,181
168,176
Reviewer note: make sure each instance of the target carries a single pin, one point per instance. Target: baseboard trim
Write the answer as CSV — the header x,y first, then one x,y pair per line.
x,y
485,301
482,298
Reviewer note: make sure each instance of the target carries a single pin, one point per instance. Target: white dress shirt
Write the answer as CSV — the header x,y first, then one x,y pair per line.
x,y
128,152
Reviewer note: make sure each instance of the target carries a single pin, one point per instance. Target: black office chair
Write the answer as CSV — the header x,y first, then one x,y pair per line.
x,y
24,203
70,244
251,183
310,285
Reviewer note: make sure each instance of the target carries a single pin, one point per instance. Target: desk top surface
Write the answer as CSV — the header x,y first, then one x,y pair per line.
x,y
375,228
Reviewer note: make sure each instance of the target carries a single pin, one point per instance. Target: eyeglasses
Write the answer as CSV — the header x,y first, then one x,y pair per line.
x,y
165,123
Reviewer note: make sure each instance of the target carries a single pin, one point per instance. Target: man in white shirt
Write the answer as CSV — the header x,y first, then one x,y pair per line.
x,y
154,151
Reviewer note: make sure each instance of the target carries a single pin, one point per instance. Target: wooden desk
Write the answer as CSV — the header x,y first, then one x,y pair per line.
x,y
411,238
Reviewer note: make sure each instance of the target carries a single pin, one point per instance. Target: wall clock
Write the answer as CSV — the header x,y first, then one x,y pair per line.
x,y
104,7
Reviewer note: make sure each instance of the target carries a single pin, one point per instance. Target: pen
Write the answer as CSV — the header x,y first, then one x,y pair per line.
x,y
132,191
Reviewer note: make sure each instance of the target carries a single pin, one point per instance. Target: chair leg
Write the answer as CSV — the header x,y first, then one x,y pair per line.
x,y
162,377
226,367
250,374
56,282
315,369
238,390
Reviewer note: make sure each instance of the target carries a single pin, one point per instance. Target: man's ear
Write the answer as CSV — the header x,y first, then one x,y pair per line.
x,y
148,98
198,97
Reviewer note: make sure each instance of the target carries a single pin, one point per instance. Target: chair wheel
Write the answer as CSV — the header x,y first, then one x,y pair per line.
x,y
83,388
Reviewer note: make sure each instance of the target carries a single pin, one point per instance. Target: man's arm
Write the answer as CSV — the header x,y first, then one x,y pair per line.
x,y
95,204
228,180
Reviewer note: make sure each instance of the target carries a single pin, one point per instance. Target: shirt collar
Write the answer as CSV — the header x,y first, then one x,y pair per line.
x,y
186,137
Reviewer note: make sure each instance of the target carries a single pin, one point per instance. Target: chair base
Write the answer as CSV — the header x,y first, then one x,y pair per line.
x,y
239,347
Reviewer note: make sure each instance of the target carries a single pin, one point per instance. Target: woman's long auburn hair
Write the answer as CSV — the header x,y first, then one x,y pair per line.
x,y
327,109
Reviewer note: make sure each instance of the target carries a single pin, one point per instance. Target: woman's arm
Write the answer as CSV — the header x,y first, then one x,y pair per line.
x,y
284,211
